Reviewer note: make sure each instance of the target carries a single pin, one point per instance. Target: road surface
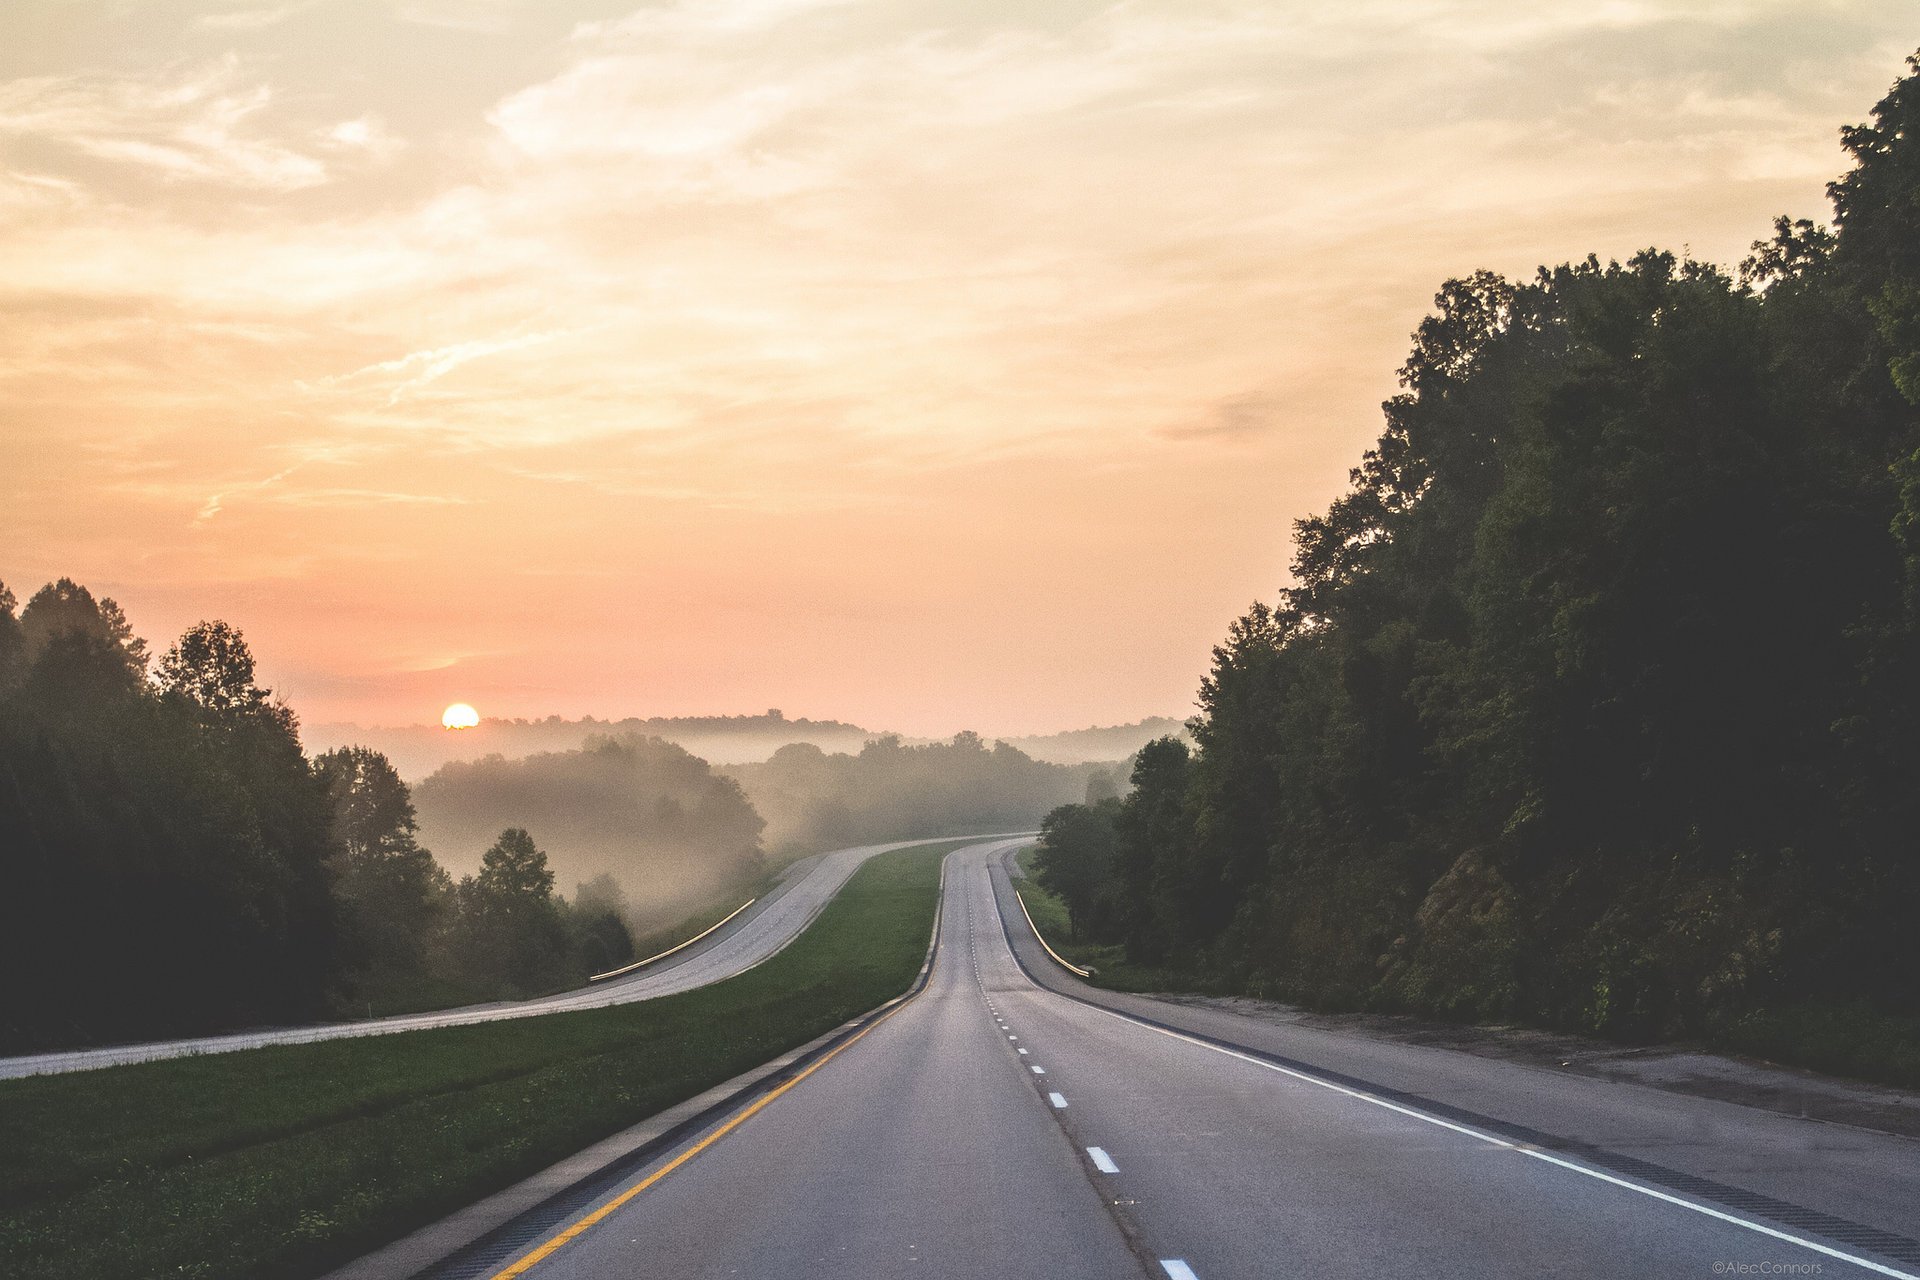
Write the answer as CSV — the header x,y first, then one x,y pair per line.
x,y
994,1126
753,937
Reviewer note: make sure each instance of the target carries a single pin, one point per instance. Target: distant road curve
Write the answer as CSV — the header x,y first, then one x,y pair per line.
x,y
755,936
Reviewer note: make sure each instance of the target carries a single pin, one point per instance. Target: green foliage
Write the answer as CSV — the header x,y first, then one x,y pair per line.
x,y
891,791
175,865
1075,858
1596,700
512,938
287,1161
393,897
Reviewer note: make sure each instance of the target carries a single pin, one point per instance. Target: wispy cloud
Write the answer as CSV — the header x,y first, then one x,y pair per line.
x,y
417,369
192,126
420,304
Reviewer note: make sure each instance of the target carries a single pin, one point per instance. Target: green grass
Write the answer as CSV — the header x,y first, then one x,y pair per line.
x,y
1841,1039
290,1160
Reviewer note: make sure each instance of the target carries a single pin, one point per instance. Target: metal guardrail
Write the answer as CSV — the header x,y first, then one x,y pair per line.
x,y
1061,960
641,964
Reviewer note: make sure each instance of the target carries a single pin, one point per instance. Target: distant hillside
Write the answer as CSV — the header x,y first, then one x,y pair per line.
x,y
671,831
1089,746
418,750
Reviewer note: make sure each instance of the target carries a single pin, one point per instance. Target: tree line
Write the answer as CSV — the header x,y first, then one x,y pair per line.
x,y
173,863
1596,699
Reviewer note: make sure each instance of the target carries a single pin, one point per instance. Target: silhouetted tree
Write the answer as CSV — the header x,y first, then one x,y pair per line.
x,y
393,896
1075,857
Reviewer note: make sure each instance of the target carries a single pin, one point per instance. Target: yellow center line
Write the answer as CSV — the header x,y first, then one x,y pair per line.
x,y
573,1232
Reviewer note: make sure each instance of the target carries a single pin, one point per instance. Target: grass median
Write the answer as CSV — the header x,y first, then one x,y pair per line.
x,y
290,1160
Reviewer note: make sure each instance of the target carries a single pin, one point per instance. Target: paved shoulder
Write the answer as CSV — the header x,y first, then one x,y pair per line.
x,y
1841,1185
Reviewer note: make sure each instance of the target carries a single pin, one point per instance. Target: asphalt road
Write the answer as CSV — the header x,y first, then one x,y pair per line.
x,y
993,1126
770,924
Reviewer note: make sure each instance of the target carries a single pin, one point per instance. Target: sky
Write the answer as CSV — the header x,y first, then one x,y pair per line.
x,y
923,365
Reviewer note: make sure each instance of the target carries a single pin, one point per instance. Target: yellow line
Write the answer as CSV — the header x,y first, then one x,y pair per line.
x,y
1041,939
580,1227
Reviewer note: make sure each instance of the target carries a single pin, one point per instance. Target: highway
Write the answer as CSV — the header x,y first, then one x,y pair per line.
x,y
757,934
1000,1125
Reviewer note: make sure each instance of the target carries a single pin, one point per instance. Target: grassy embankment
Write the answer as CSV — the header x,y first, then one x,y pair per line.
x,y
1109,962
1843,1040
287,1161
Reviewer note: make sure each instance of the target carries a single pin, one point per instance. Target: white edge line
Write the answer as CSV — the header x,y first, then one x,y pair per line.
x,y
1558,1161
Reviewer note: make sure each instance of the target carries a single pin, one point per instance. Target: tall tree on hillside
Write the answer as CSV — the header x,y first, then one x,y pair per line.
x,y
211,667
514,935
393,896
67,610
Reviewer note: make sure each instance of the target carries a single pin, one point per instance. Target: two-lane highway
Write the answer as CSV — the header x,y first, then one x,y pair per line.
x,y
993,1127
755,936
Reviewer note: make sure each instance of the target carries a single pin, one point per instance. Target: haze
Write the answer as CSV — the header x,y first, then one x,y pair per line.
x,y
915,365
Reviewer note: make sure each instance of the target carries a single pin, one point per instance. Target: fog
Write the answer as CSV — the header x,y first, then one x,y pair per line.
x,y
894,790
670,832
417,750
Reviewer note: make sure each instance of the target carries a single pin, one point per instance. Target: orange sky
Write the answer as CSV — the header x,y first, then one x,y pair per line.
x,y
922,365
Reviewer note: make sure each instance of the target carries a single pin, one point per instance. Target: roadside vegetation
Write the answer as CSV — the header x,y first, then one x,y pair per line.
x,y
175,864
288,1161
1595,703
890,790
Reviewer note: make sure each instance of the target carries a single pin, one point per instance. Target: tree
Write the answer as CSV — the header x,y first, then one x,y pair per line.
x,y
514,872
11,642
393,896
596,926
211,667
82,643
514,937
1075,857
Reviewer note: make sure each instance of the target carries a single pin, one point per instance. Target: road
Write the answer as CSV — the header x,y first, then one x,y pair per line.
x,y
996,1125
759,932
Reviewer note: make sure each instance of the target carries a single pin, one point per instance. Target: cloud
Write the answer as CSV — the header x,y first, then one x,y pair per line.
x,y
192,127
417,369
365,134
1238,417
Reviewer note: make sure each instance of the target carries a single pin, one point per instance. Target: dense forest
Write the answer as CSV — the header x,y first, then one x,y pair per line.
x,y
1596,700
174,863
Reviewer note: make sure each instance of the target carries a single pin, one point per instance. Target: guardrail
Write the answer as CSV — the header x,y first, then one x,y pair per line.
x,y
641,964
1059,959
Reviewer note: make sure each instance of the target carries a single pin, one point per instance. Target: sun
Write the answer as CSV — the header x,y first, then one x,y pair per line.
x,y
459,716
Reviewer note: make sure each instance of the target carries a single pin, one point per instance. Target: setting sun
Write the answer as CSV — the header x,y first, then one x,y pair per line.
x,y
459,716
